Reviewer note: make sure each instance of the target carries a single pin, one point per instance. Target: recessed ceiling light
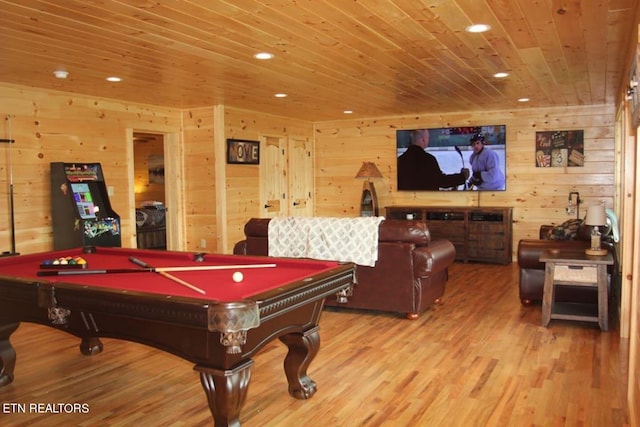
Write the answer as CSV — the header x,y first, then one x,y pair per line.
x,y
500,75
263,55
477,28
280,95
348,111
114,79
523,100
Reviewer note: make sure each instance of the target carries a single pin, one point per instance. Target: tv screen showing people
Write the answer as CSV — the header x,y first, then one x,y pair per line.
x,y
469,158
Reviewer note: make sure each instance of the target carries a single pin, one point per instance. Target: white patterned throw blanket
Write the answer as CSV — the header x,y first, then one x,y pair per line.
x,y
334,239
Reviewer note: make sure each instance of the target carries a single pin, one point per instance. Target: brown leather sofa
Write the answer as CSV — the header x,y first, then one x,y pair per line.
x,y
409,276
532,270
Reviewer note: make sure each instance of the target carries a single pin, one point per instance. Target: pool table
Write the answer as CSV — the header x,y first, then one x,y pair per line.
x,y
217,323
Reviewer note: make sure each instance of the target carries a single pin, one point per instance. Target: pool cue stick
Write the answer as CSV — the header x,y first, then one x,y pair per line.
x,y
180,281
81,271
167,275
11,196
215,267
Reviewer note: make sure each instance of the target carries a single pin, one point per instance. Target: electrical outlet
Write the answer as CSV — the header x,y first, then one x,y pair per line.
x,y
110,191
203,243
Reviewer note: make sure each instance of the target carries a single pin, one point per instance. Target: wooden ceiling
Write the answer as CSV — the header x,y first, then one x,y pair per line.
x,y
374,57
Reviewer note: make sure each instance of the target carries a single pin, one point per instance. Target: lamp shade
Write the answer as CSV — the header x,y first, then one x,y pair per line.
x,y
596,215
369,170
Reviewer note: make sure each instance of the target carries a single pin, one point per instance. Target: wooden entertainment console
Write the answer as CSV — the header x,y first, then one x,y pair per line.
x,y
479,234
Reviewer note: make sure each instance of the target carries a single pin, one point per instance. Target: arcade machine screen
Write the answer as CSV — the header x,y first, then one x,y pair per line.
x,y
84,200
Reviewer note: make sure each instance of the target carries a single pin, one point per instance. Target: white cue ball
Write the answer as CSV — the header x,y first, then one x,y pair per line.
x,y
237,277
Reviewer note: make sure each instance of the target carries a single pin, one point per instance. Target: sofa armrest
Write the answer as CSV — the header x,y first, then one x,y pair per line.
x,y
431,259
530,250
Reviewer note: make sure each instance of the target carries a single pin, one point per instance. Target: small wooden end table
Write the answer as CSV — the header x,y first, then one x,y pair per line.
x,y
575,268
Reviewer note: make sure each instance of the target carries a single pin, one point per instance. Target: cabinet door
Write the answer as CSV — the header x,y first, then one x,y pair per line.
x,y
489,236
453,230
273,182
286,176
300,202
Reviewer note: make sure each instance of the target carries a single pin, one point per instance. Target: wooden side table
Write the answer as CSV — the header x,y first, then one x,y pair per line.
x,y
575,268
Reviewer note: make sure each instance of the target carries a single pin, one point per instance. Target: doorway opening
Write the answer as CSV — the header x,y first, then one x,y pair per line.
x,y
149,189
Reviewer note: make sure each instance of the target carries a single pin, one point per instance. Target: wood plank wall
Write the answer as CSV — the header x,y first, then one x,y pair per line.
x,y
243,181
538,195
629,182
52,126
199,185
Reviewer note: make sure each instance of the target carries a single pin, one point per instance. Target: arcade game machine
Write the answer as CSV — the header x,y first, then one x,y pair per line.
x,y
82,213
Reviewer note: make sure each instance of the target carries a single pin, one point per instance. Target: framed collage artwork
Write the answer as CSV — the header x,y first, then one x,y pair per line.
x,y
563,148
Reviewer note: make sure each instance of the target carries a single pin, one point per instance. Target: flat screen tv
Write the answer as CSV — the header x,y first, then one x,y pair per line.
x,y
432,159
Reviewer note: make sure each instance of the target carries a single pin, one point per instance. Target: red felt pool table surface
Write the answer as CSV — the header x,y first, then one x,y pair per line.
x,y
217,284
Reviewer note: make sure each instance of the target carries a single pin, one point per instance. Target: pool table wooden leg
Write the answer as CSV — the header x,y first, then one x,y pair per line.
x,y
303,347
7,353
226,391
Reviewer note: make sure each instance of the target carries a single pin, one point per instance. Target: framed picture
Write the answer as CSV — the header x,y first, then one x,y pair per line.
x,y
244,152
560,148
156,169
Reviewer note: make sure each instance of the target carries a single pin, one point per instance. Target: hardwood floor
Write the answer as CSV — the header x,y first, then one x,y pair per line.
x,y
478,359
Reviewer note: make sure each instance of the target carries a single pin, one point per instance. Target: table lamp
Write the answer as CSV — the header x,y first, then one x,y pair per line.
x,y
369,170
596,217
